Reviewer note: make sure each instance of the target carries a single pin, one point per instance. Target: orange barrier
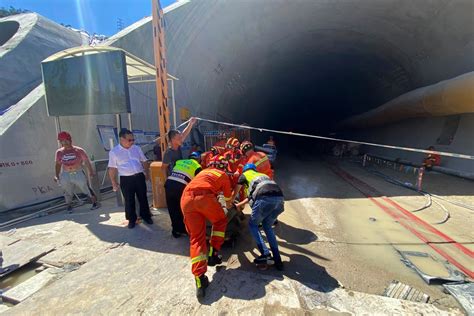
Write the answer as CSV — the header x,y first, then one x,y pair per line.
x,y
158,179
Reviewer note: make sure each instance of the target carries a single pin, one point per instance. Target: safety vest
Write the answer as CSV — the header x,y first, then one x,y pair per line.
x,y
256,181
184,170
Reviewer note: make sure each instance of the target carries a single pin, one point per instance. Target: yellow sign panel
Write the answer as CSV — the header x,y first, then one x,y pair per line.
x,y
184,114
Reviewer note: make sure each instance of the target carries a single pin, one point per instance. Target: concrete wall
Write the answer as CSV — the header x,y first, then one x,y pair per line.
x,y
28,135
422,133
21,56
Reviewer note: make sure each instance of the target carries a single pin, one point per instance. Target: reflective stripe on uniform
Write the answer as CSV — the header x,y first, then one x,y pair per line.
x,y
261,160
178,180
218,234
214,172
198,282
198,259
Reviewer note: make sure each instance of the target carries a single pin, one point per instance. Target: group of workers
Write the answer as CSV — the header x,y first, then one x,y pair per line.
x,y
193,186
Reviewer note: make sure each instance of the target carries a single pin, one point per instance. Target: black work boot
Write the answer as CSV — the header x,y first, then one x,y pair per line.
x,y
202,282
264,259
279,265
214,258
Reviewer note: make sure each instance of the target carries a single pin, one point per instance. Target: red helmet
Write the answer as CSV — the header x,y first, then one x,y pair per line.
x,y
219,162
64,136
246,146
232,143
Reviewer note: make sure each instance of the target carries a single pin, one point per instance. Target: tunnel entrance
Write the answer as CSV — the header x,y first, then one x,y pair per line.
x,y
306,66
7,30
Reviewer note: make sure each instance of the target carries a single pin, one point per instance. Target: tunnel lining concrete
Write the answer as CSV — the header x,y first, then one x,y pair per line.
x,y
241,57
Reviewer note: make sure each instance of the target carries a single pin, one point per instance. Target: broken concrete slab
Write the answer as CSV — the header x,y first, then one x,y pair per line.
x,y
358,303
3,308
429,268
128,280
24,290
6,240
17,254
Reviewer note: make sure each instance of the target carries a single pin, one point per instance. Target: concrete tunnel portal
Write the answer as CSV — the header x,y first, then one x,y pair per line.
x,y
305,66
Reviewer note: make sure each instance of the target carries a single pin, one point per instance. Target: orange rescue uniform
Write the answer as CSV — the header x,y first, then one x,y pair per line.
x,y
236,160
260,160
199,202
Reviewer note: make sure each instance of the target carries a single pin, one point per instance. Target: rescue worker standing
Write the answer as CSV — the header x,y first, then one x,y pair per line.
x,y
259,159
199,202
266,200
183,172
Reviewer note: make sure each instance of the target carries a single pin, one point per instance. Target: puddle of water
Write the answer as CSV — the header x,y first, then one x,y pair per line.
x,y
429,266
19,276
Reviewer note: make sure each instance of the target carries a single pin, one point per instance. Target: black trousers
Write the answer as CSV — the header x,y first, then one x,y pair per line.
x,y
131,186
174,191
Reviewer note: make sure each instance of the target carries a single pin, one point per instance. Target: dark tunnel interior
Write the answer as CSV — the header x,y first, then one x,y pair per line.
x,y
304,66
321,90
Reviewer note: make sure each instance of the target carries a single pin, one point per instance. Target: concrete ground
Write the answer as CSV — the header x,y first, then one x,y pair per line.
x,y
336,259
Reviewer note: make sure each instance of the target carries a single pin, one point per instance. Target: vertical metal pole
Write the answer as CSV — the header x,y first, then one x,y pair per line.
x,y
118,194
58,128
174,103
419,183
117,121
129,121
364,160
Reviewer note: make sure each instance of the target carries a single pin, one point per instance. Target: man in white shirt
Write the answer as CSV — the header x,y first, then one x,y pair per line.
x,y
130,163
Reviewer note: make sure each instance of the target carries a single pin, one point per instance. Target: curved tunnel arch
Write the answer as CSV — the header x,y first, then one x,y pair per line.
x,y
305,61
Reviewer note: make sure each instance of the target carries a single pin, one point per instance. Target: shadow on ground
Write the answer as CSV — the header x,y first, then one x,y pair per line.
x,y
300,266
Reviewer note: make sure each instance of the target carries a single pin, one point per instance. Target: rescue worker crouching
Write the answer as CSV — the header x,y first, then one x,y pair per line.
x,y
431,159
208,156
234,155
182,173
259,159
267,202
199,202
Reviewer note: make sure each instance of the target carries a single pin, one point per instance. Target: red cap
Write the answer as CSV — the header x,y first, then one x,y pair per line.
x,y
64,136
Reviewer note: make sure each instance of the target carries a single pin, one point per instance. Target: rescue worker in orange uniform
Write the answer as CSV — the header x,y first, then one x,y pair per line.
x,y
199,203
431,159
208,156
236,161
259,159
234,155
221,141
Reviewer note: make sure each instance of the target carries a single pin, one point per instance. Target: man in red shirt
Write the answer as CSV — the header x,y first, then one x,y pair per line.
x,y
199,203
69,170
